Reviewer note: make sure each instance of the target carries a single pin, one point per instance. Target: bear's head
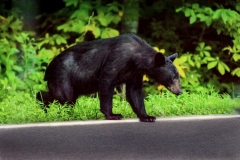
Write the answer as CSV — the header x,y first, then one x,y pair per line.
x,y
164,72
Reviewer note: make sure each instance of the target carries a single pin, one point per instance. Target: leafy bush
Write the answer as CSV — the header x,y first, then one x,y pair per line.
x,y
208,59
19,63
23,57
80,17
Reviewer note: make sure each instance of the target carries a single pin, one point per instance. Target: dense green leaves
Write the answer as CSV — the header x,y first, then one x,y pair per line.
x,y
225,21
203,54
21,56
80,21
221,66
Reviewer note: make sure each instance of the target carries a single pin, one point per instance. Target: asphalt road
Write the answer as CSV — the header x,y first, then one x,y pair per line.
x,y
168,138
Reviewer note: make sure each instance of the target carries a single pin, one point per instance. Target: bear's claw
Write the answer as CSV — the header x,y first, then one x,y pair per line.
x,y
147,119
114,117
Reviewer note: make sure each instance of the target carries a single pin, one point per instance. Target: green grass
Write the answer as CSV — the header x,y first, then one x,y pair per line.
x,y
23,108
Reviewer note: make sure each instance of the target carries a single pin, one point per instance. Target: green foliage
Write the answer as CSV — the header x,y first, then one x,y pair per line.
x,y
192,68
225,22
99,23
19,63
22,57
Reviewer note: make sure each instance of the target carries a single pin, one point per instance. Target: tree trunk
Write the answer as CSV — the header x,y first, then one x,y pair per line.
x,y
129,25
130,16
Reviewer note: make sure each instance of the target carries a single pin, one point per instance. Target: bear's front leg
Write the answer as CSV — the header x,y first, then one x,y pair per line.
x,y
135,98
105,96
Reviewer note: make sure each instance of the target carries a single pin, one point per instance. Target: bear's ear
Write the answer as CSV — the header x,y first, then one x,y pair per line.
x,y
159,59
173,56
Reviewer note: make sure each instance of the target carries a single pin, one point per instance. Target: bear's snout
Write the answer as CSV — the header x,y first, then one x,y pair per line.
x,y
175,88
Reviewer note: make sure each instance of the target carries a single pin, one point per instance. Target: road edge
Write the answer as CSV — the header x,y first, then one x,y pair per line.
x,y
98,122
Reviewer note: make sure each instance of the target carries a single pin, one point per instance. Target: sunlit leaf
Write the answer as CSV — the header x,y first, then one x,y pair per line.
x,y
96,31
210,59
224,16
60,40
187,12
192,19
116,19
19,39
181,60
108,32
191,62
12,51
225,66
145,78
120,13
198,64
216,14
236,72
162,51
221,69
180,70
208,48
80,14
156,49
160,87
17,68
208,10
236,57
202,17
208,21
103,20
200,47
179,9
227,48
206,53
211,65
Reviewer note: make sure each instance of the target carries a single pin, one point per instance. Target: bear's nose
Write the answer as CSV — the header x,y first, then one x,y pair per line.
x,y
179,93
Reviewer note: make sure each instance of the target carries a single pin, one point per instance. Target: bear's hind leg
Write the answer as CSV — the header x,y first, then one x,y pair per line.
x,y
45,97
63,93
105,96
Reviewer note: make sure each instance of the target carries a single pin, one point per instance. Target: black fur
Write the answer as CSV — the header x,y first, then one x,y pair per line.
x,y
101,65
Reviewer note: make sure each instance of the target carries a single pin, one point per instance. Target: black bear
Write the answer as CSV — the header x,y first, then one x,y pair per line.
x,y
101,65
